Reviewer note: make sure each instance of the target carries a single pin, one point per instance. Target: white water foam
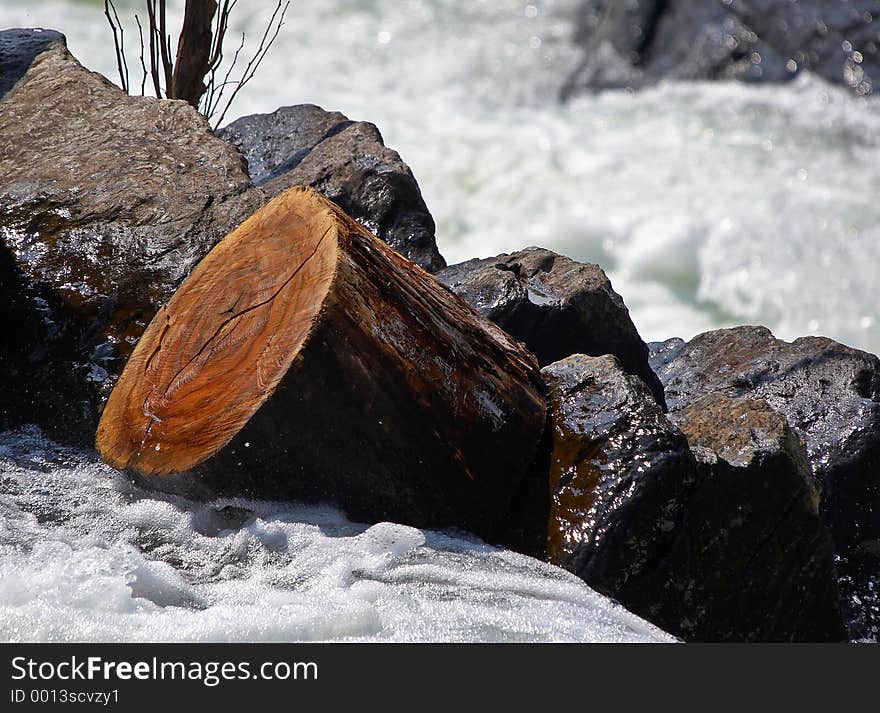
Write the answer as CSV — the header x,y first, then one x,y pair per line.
x,y
87,555
710,204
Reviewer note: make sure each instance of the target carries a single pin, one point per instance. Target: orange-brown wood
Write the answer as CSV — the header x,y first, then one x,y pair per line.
x,y
218,349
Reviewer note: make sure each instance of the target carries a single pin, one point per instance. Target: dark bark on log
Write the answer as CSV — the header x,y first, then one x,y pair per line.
x,y
193,52
389,395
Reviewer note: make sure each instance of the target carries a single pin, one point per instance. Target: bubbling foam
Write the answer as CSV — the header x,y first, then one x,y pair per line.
x,y
710,204
87,555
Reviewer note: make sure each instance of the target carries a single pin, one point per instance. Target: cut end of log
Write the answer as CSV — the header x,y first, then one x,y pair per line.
x,y
218,349
304,359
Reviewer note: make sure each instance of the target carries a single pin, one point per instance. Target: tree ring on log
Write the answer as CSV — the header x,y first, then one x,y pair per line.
x,y
235,312
304,359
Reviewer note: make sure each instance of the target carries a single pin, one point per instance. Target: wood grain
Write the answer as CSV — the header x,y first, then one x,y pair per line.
x,y
303,358
217,350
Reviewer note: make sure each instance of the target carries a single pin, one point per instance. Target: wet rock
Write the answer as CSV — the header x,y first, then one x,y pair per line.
x,y
620,475
556,306
18,49
349,163
752,522
837,39
106,202
709,549
830,396
629,44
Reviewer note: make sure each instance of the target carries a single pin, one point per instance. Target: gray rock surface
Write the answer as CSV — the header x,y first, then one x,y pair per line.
x,y
830,396
349,163
837,39
106,202
635,42
556,306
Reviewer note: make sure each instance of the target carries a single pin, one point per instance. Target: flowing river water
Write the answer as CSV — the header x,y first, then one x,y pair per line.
x,y
709,204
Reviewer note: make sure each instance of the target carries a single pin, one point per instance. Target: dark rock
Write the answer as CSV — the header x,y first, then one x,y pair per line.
x,y
556,306
708,549
634,43
753,522
349,163
629,44
830,396
837,39
106,202
620,475
18,48
276,143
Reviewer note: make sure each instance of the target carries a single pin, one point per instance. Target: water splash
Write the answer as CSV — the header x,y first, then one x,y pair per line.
x,y
85,554
710,204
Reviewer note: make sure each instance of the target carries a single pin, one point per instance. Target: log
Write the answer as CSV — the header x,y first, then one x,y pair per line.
x,y
303,358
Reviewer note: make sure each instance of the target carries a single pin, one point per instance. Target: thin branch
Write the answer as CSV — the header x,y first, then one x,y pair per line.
x,y
143,63
220,34
256,60
212,107
165,44
154,52
118,43
217,58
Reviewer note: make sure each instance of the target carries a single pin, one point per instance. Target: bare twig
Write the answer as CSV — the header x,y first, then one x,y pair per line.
x,y
217,55
154,51
193,74
211,108
165,45
118,42
143,63
220,33
256,60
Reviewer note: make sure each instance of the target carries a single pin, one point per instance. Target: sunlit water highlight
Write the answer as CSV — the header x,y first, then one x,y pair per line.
x,y
708,204
85,554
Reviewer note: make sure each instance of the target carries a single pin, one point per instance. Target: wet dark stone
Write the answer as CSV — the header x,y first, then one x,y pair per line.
x,y
629,44
276,143
709,549
753,522
106,202
830,396
18,49
349,163
837,39
620,474
556,306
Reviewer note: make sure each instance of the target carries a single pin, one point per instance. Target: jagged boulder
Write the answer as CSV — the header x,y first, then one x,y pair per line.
x,y
830,396
709,549
106,202
349,163
556,306
759,559
620,474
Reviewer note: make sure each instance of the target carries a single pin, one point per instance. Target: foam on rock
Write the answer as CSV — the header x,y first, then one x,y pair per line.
x,y
86,554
